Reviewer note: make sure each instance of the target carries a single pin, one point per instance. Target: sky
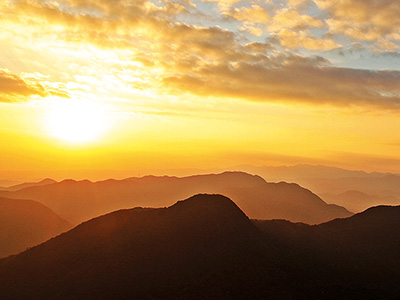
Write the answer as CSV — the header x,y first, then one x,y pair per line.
x,y
100,88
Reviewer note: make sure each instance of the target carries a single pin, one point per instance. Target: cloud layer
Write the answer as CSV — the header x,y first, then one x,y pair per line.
x,y
253,50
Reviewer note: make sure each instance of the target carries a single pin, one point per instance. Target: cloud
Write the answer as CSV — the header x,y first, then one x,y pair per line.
x,y
304,39
224,5
14,89
174,57
291,18
254,18
295,3
368,20
294,79
255,14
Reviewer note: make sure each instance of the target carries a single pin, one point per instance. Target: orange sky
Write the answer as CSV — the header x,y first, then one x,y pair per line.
x,y
105,88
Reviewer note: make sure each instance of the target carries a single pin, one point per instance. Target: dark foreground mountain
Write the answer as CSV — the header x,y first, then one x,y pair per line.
x,y
26,223
78,201
362,251
204,248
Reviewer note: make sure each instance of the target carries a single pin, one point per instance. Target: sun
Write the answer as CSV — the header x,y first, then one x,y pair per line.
x,y
76,121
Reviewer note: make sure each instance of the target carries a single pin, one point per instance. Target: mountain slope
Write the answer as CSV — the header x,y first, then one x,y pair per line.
x,y
167,253
328,182
362,250
81,200
26,223
204,248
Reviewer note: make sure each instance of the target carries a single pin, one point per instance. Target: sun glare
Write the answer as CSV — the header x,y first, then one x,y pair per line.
x,y
76,121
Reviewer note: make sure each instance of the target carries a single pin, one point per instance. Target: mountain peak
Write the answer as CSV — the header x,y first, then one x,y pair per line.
x,y
213,211
373,218
381,212
47,181
208,202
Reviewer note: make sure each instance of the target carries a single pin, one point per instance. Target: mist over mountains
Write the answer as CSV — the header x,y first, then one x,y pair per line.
x,y
28,184
352,189
357,201
26,223
239,237
355,190
77,201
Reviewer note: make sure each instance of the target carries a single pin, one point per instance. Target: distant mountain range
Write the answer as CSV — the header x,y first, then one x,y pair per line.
x,y
292,173
206,248
357,201
77,201
26,223
28,184
388,185
338,185
5,183
355,190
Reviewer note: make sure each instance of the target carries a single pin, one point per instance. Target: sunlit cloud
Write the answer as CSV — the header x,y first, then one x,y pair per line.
x,y
294,79
304,39
119,48
291,18
363,19
15,89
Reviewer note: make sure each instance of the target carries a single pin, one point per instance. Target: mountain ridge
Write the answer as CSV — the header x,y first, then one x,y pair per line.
x,y
204,247
20,186
26,223
77,201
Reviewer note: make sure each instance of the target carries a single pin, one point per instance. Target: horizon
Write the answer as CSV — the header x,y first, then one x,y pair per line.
x,y
94,175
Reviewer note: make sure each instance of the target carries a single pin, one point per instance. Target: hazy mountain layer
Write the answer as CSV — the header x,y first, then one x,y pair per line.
x,y
388,185
29,184
357,201
292,173
26,223
355,190
78,201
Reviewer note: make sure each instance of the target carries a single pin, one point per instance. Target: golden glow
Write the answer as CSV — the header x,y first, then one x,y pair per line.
x,y
76,121
193,94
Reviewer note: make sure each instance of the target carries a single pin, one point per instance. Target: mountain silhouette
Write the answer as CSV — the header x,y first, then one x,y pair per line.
x,y
29,184
355,190
378,225
6,183
388,185
362,250
78,201
206,248
141,253
293,173
26,223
